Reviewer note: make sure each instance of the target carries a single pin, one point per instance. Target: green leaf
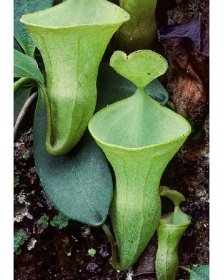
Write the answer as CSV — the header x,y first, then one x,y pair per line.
x,y
112,87
25,66
72,38
139,137
137,68
23,7
198,273
17,46
79,184
157,91
20,97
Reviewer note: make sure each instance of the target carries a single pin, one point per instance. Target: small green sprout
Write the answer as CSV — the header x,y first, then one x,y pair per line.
x,y
92,252
198,225
43,221
60,221
69,254
65,240
16,181
19,239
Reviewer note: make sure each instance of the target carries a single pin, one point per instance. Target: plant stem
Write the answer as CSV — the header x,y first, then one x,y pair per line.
x,y
23,113
21,82
113,246
171,105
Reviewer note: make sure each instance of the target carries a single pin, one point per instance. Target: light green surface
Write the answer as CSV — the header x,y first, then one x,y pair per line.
x,y
139,138
72,38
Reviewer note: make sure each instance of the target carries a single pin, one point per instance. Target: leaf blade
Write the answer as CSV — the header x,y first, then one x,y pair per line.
x,y
25,66
21,34
74,183
200,273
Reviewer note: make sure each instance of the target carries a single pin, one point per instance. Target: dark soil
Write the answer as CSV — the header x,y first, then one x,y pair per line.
x,y
52,253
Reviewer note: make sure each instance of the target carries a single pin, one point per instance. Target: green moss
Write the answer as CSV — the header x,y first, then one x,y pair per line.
x,y
198,225
16,181
19,239
60,221
43,221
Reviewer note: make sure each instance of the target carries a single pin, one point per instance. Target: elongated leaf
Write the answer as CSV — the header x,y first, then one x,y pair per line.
x,y
20,97
79,184
112,87
17,46
25,66
23,7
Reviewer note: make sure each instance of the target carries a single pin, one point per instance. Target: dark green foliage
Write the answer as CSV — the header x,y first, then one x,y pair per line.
x,y
23,7
17,46
19,239
43,221
60,221
112,87
79,184
198,273
25,66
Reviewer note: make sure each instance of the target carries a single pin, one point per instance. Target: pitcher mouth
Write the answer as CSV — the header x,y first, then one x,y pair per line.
x,y
76,14
97,129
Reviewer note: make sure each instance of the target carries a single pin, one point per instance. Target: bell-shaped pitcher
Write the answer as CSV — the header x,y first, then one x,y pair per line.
x,y
139,137
72,38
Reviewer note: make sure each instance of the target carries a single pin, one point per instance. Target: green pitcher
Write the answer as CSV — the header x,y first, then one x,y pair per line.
x,y
139,137
72,38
